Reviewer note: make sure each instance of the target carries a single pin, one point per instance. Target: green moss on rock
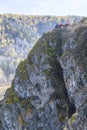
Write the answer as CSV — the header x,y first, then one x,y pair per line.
x,y
81,36
12,97
65,54
48,73
22,71
49,45
26,102
72,119
61,118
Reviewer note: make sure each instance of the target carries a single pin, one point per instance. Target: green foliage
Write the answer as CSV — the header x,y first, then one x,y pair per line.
x,y
22,71
26,102
12,97
72,119
65,54
61,118
81,35
48,73
50,51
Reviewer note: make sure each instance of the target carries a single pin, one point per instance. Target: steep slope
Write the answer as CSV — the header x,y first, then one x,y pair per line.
x,y
38,88
74,63
18,34
49,91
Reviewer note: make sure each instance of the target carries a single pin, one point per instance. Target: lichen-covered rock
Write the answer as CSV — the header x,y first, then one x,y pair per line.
x,y
38,94
74,66
49,91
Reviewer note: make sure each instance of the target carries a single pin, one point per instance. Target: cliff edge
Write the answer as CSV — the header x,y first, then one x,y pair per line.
x,y
49,90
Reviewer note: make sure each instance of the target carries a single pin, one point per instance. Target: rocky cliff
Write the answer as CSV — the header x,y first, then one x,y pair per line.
x,y
18,34
49,90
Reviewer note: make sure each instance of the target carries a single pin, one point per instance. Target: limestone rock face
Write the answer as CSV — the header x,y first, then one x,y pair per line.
x,y
73,62
49,90
18,34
